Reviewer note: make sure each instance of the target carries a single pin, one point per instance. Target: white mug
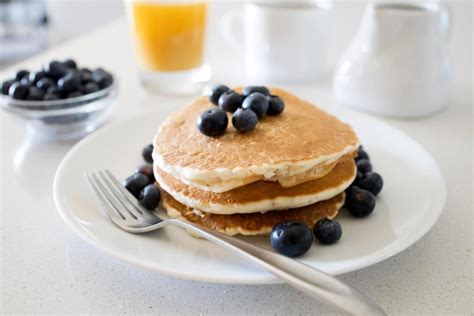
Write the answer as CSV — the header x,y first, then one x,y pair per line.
x,y
398,63
282,40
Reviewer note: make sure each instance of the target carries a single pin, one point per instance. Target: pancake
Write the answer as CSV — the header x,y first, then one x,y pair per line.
x,y
300,139
261,196
254,224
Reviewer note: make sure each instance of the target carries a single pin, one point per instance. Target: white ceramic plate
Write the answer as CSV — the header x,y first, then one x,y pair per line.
x,y
410,203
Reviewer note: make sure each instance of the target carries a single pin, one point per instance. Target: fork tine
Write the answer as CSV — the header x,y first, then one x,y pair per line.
x,y
134,211
109,210
115,200
112,199
127,195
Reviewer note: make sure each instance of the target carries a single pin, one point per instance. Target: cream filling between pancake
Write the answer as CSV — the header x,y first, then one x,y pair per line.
x,y
222,180
264,205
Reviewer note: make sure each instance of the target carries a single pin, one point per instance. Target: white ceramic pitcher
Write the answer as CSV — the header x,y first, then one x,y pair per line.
x,y
398,62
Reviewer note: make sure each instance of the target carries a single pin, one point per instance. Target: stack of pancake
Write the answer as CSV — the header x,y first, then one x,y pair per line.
x,y
294,166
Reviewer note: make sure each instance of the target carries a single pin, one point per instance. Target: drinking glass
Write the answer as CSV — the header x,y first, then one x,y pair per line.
x,y
169,40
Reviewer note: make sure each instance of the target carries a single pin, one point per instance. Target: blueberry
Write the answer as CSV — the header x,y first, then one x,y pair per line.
x,y
244,120
36,76
90,87
22,74
85,75
146,153
26,81
150,197
371,181
69,82
135,183
359,202
105,81
35,94
102,78
361,154
6,86
230,101
291,238
357,178
55,90
212,122
18,91
276,105
327,231
257,102
74,94
45,83
251,89
70,63
54,69
146,170
216,93
364,166
50,97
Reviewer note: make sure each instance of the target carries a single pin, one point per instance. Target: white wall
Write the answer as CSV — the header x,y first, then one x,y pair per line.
x,y
70,18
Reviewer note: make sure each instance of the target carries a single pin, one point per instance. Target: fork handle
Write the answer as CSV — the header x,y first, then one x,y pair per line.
x,y
311,281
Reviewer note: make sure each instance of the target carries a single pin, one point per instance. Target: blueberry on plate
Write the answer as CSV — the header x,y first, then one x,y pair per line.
x,y
74,94
35,76
6,86
135,183
244,120
35,94
50,97
276,105
291,238
150,197
362,154
212,122
364,166
18,91
257,102
146,153
216,93
69,83
327,231
357,178
230,101
70,63
251,89
45,83
371,181
54,69
20,74
90,87
359,202
146,170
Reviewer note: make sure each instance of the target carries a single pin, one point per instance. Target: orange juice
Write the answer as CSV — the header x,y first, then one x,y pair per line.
x,y
169,35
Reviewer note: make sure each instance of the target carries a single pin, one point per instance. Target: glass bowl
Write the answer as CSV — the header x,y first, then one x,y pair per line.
x,y
65,118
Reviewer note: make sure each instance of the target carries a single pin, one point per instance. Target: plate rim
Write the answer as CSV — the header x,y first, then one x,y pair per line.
x,y
264,279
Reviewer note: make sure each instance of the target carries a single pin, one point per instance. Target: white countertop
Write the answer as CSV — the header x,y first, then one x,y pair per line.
x,y
46,268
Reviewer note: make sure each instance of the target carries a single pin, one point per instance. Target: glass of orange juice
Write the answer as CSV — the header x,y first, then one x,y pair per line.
x,y
169,39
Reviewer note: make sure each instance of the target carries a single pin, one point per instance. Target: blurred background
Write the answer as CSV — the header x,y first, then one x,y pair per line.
x,y
58,21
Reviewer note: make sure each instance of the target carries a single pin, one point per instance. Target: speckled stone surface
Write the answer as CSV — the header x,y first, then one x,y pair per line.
x,y
45,268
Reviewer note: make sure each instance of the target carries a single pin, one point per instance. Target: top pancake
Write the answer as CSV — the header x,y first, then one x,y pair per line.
x,y
292,143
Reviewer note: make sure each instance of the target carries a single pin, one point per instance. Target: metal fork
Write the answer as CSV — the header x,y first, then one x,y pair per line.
x,y
124,211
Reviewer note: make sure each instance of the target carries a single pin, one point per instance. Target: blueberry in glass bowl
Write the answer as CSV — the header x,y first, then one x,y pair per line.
x,y
61,101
